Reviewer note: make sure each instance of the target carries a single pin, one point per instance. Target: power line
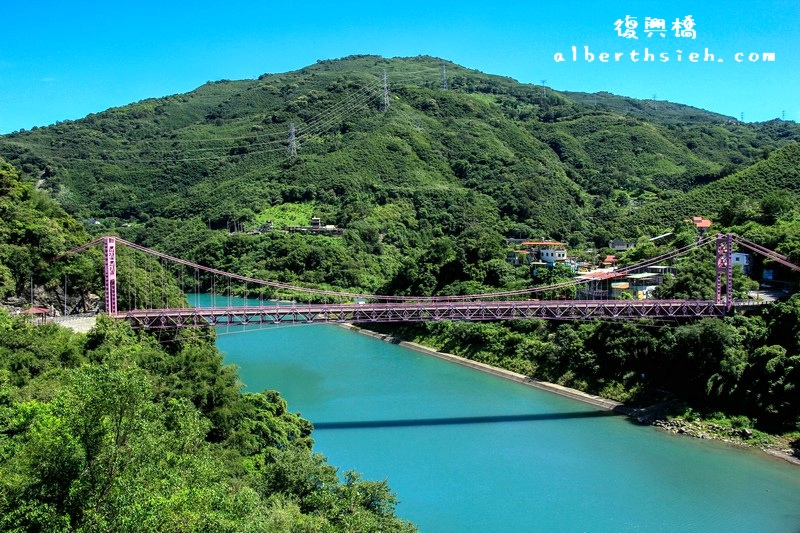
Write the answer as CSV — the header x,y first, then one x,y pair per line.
x,y
317,124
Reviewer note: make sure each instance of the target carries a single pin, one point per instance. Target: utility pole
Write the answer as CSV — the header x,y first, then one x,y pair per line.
x,y
292,141
65,294
444,77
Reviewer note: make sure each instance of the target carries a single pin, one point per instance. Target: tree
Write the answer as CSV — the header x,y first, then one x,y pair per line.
x,y
117,432
776,204
774,378
102,455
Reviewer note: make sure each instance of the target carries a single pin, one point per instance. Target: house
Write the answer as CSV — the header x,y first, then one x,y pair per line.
x,y
702,224
519,257
597,285
548,252
661,271
643,285
741,259
618,245
553,255
618,288
609,261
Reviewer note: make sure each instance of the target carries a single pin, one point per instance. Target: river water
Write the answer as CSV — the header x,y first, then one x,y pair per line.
x,y
467,451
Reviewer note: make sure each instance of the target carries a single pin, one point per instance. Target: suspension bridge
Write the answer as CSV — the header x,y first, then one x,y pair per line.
x,y
547,302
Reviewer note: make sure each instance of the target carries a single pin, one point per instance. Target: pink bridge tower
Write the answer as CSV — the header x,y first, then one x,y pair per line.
x,y
110,251
725,266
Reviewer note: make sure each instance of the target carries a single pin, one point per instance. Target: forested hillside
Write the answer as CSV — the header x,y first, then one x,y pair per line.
x,y
125,431
33,230
118,431
427,177
523,148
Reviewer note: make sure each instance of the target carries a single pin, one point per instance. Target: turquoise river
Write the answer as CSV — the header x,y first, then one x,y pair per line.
x,y
469,452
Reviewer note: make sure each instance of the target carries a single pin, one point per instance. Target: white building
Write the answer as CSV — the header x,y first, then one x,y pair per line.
x,y
552,255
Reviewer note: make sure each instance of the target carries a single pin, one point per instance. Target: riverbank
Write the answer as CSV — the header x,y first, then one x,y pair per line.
x,y
704,429
696,429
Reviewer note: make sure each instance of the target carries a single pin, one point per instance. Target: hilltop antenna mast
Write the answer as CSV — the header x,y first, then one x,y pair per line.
x,y
292,141
385,104
444,76
544,90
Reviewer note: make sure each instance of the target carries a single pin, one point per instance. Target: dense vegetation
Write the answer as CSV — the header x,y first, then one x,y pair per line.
x,y
427,192
121,431
33,229
437,179
116,431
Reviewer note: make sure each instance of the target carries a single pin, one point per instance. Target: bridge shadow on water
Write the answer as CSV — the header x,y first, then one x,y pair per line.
x,y
412,422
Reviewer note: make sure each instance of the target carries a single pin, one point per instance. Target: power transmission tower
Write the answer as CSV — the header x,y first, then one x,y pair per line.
x,y
544,90
444,76
385,104
292,141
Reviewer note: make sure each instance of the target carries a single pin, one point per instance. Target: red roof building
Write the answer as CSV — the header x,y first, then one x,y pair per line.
x,y
702,224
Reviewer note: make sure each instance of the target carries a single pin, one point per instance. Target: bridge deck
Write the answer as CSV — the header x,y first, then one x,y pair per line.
x,y
422,311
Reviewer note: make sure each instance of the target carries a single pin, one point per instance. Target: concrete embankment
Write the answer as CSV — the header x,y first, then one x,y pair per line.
x,y
78,324
597,401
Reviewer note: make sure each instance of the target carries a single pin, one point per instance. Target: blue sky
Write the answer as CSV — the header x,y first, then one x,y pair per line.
x,y
64,60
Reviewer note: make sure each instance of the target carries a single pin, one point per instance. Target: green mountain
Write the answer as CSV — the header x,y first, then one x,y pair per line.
x,y
439,151
425,167
779,173
33,230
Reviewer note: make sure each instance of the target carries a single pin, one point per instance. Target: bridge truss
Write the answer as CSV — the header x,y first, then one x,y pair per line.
x,y
420,312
